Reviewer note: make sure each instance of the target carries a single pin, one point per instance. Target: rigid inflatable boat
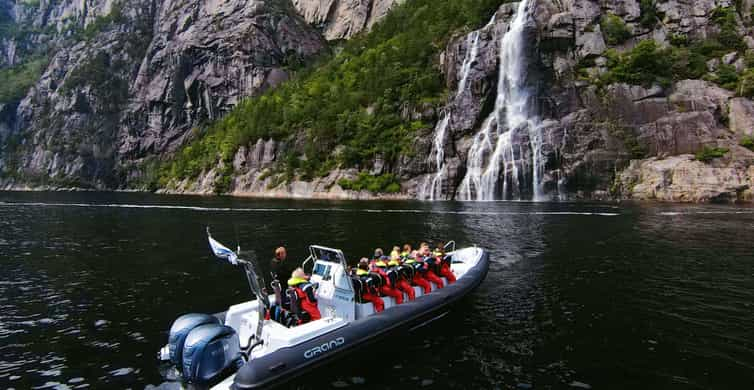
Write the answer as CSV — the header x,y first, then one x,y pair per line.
x,y
243,349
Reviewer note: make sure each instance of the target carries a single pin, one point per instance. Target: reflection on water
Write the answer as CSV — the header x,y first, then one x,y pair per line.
x,y
578,295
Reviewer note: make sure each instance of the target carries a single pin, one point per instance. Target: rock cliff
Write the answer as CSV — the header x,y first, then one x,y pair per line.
x,y
673,139
341,19
129,80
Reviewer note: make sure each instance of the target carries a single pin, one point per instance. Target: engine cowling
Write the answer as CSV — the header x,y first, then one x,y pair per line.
x,y
210,350
180,329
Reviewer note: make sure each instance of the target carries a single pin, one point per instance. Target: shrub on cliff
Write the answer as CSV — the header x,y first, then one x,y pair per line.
x,y
386,183
725,19
747,142
726,76
648,13
708,154
645,64
614,29
17,80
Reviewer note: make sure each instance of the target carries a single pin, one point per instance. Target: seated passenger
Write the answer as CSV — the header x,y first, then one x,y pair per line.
x,y
419,269
406,253
432,264
304,296
369,290
394,266
444,263
389,288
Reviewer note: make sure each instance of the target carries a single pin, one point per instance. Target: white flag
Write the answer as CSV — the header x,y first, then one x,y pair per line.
x,y
222,251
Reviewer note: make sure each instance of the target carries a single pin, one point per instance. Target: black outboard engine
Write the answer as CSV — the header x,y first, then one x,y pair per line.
x,y
209,351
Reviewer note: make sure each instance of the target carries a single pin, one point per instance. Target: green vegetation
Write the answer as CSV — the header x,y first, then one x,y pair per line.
x,y
386,183
747,142
725,19
648,63
707,154
645,64
17,80
648,13
726,76
352,101
614,29
102,22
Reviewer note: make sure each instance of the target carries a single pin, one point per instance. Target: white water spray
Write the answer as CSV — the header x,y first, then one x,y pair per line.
x,y
432,187
487,163
472,42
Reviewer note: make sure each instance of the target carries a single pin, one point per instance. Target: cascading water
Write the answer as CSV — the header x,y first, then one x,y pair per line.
x,y
492,153
472,41
432,187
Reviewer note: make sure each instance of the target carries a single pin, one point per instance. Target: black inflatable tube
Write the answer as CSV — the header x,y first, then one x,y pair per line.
x,y
285,364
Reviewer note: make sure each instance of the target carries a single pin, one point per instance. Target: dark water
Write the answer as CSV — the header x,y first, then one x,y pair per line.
x,y
578,295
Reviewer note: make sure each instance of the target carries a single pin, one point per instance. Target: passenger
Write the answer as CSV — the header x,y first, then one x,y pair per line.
x,y
307,300
378,254
406,253
369,292
279,268
419,270
444,263
394,265
396,252
389,288
431,262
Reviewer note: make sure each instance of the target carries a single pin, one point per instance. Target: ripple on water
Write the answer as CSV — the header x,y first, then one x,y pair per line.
x,y
122,371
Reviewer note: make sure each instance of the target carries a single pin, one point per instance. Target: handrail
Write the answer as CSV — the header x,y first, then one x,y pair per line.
x,y
449,244
308,259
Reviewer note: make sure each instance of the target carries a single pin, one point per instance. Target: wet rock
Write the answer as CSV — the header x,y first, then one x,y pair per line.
x,y
741,116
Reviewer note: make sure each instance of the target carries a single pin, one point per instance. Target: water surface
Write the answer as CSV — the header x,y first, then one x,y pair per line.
x,y
579,295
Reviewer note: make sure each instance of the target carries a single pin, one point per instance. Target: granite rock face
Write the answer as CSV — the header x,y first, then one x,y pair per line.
x,y
342,19
202,59
135,89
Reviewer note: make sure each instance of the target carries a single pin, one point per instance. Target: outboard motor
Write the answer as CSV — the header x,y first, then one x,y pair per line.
x,y
181,327
210,350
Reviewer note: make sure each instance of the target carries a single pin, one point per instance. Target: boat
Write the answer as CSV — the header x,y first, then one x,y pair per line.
x,y
242,348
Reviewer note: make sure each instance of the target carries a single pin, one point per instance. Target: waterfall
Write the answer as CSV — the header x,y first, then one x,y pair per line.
x,y
472,42
493,152
432,187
